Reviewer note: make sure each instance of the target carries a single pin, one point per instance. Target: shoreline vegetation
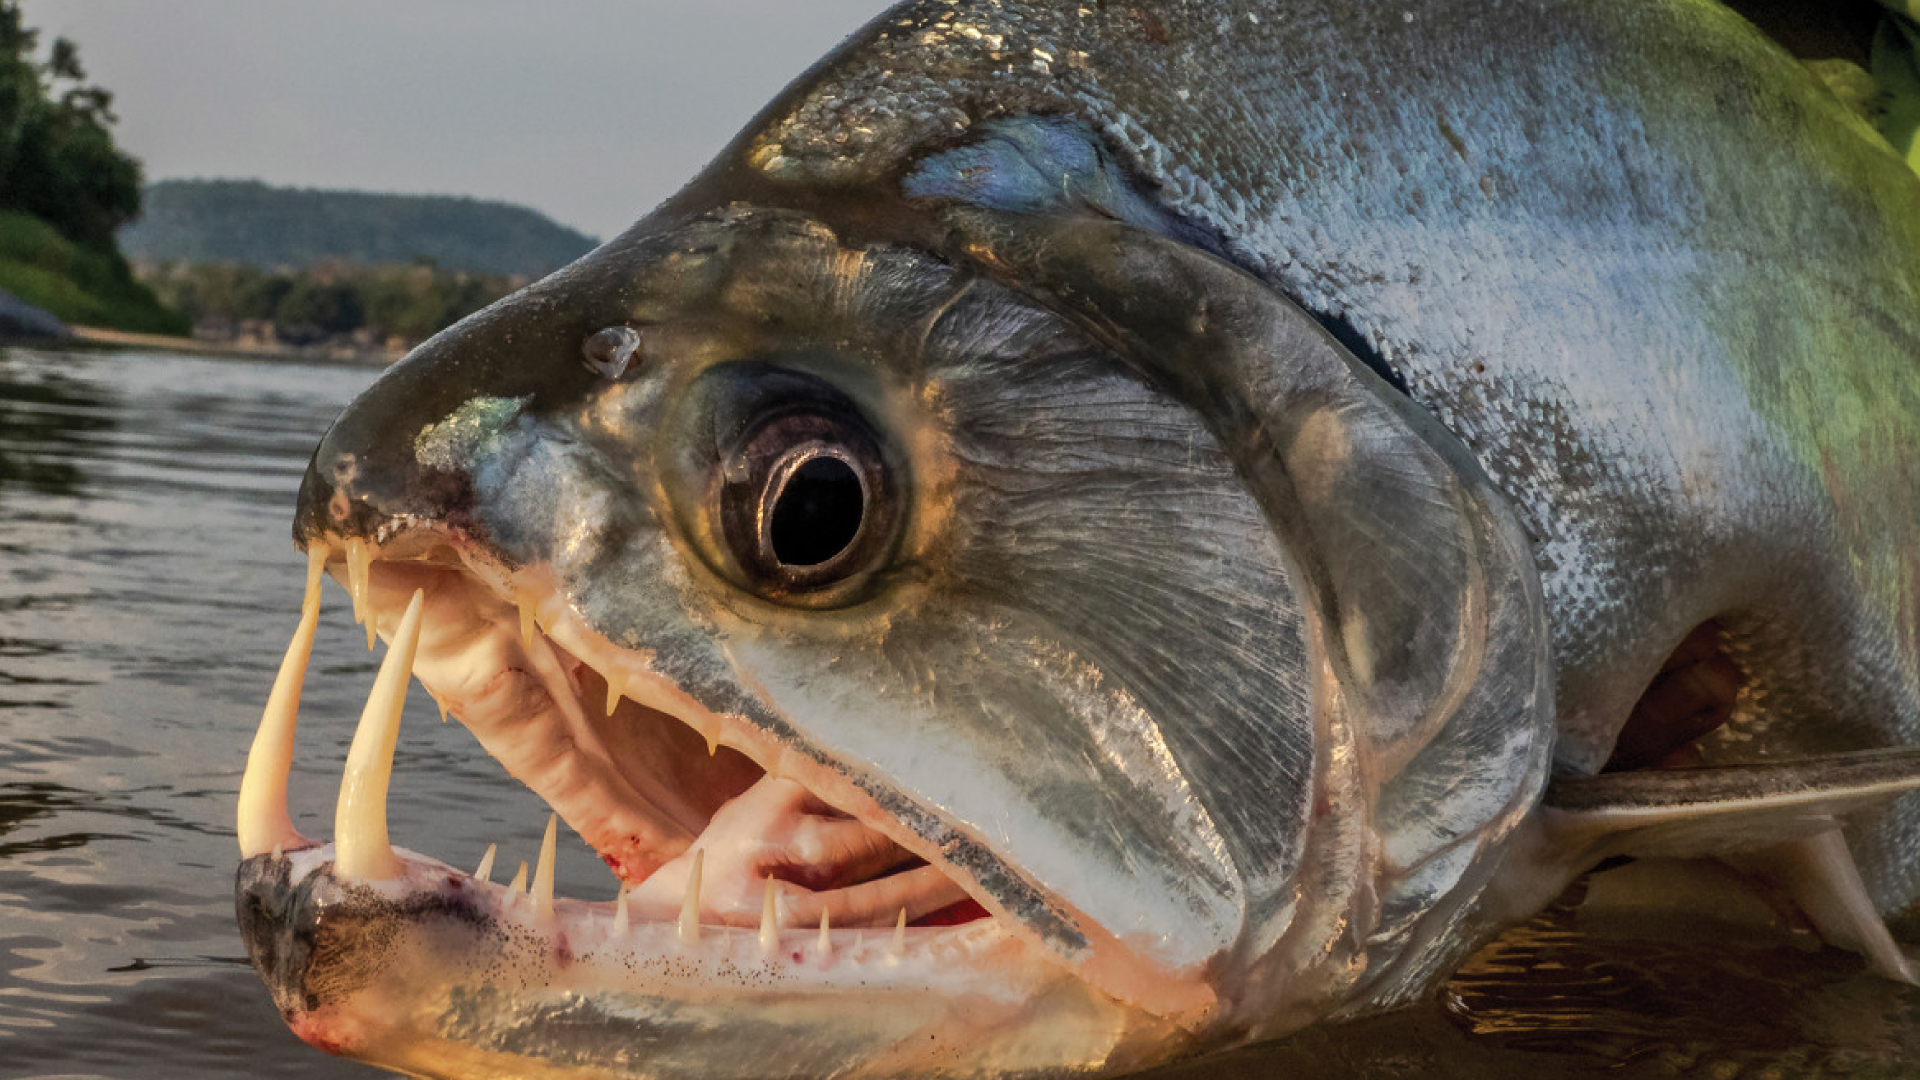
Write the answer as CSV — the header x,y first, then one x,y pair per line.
x,y
76,284
65,189
225,267
333,310
291,271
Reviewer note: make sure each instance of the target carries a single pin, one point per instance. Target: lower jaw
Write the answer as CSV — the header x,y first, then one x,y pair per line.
x,y
439,974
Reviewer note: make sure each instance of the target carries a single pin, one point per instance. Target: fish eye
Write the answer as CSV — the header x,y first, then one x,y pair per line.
x,y
805,504
813,508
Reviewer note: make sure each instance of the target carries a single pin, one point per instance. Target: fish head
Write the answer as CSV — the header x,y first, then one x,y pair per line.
x,y
837,589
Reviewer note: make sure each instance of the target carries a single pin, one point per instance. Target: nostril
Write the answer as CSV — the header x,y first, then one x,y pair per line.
x,y
608,352
344,469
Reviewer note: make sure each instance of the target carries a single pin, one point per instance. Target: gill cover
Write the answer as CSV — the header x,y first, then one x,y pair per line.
x,y
1419,584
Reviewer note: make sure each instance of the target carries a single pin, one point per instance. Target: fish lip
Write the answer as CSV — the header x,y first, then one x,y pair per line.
x,y
403,542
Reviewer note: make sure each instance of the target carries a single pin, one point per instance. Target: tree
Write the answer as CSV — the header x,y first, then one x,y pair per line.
x,y
19,81
322,307
58,160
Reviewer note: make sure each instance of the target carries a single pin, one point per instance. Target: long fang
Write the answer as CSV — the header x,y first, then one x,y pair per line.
x,y
362,850
769,920
359,563
262,821
543,872
484,873
690,907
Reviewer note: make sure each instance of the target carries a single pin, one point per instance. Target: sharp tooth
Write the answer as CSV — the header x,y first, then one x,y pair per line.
x,y
360,817
519,883
359,583
317,554
524,600
710,730
616,689
620,912
898,945
825,945
769,920
690,907
359,559
441,705
543,872
262,819
485,871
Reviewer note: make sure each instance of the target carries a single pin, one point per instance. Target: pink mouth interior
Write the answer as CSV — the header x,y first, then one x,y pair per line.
x,y
642,786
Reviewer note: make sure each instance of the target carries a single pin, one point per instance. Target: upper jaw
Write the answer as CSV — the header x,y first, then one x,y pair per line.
x,y
638,767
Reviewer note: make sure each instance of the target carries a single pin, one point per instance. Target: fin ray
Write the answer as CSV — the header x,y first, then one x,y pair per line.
x,y
1780,820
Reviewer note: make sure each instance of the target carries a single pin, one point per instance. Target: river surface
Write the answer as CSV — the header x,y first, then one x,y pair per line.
x,y
148,586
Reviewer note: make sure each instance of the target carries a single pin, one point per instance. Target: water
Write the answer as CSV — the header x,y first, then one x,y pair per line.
x,y
147,589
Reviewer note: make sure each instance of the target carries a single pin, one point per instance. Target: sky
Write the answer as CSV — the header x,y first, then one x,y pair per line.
x,y
590,111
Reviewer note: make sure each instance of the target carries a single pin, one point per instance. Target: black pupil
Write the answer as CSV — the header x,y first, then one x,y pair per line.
x,y
818,512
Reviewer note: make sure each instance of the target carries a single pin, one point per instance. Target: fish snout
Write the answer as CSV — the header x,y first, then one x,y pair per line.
x,y
406,449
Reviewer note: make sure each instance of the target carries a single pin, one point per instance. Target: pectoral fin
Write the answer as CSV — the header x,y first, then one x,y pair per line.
x,y
1712,811
1779,820
1820,875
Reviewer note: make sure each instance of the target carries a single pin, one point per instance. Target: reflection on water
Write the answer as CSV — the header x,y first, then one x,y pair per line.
x,y
147,587
1621,993
46,417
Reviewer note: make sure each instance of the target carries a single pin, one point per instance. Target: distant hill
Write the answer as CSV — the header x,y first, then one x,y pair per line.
x,y
252,224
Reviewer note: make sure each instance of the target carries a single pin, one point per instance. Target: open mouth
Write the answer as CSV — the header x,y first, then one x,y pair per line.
x,y
705,821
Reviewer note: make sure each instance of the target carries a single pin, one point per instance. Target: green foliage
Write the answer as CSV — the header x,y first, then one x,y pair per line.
x,y
326,307
250,223
407,302
58,160
75,283
1896,67
64,189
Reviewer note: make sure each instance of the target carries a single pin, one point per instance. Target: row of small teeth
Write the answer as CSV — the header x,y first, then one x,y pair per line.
x,y
362,849
687,925
617,679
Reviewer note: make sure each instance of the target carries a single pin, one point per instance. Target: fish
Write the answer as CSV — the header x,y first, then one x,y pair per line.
x,y
1098,532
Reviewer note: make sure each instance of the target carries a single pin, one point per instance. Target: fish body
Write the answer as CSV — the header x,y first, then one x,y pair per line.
x,y
1148,494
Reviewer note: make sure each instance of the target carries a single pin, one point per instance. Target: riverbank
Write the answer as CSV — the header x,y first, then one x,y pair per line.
x,y
22,321
104,337
77,285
